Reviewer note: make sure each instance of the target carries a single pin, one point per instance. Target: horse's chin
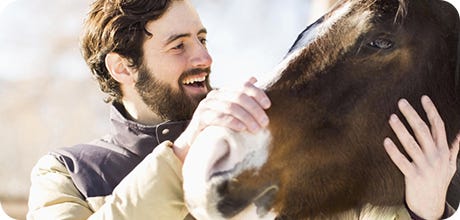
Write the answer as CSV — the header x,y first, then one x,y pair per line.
x,y
209,209
202,197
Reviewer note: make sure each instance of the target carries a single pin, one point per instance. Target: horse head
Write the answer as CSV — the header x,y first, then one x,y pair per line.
x,y
322,154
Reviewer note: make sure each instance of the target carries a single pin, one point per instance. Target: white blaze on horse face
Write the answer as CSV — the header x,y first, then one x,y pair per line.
x,y
314,32
219,150
319,30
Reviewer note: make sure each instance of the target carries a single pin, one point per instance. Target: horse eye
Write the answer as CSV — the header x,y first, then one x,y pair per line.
x,y
381,43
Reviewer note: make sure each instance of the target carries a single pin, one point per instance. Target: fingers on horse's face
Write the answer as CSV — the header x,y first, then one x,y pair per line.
x,y
337,87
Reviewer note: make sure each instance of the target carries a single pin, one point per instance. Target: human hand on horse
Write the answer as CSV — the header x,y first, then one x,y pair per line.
x,y
238,109
433,164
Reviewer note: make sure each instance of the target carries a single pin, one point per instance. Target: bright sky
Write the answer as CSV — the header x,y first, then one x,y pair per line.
x,y
4,3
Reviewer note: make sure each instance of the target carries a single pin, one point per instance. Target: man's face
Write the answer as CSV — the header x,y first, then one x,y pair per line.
x,y
176,62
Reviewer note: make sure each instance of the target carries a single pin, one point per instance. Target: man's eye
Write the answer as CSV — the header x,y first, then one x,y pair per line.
x,y
179,47
203,41
381,43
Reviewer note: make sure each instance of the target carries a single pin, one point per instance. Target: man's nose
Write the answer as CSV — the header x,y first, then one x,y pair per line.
x,y
200,57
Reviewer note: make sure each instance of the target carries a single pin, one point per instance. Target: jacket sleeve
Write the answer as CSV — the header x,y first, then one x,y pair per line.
x,y
153,190
53,194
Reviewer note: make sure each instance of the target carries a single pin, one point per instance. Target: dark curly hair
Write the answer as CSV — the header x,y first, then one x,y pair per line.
x,y
117,26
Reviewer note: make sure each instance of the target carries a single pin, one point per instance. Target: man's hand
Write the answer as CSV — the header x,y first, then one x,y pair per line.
x,y
243,109
433,164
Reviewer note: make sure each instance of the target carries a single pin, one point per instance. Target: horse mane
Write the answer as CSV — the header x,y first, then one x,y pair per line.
x,y
402,12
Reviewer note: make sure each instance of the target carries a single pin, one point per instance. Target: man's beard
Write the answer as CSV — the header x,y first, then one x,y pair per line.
x,y
163,100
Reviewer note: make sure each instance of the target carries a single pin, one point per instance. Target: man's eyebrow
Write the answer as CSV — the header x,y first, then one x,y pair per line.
x,y
203,31
177,36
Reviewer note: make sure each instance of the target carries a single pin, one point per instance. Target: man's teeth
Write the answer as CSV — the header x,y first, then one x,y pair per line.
x,y
194,80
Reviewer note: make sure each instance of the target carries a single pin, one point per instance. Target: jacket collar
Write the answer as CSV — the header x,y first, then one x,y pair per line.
x,y
138,138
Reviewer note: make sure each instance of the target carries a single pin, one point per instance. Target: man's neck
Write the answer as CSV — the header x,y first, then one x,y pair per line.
x,y
141,113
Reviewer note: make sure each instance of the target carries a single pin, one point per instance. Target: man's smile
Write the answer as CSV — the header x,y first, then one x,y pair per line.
x,y
195,79
195,84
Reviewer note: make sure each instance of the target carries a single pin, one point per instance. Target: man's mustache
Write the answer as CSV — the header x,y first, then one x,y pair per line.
x,y
194,71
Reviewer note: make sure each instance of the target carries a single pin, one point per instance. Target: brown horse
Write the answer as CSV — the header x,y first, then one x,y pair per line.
x,y
322,155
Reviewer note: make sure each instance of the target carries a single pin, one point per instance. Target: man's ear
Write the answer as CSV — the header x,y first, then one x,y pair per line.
x,y
119,69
